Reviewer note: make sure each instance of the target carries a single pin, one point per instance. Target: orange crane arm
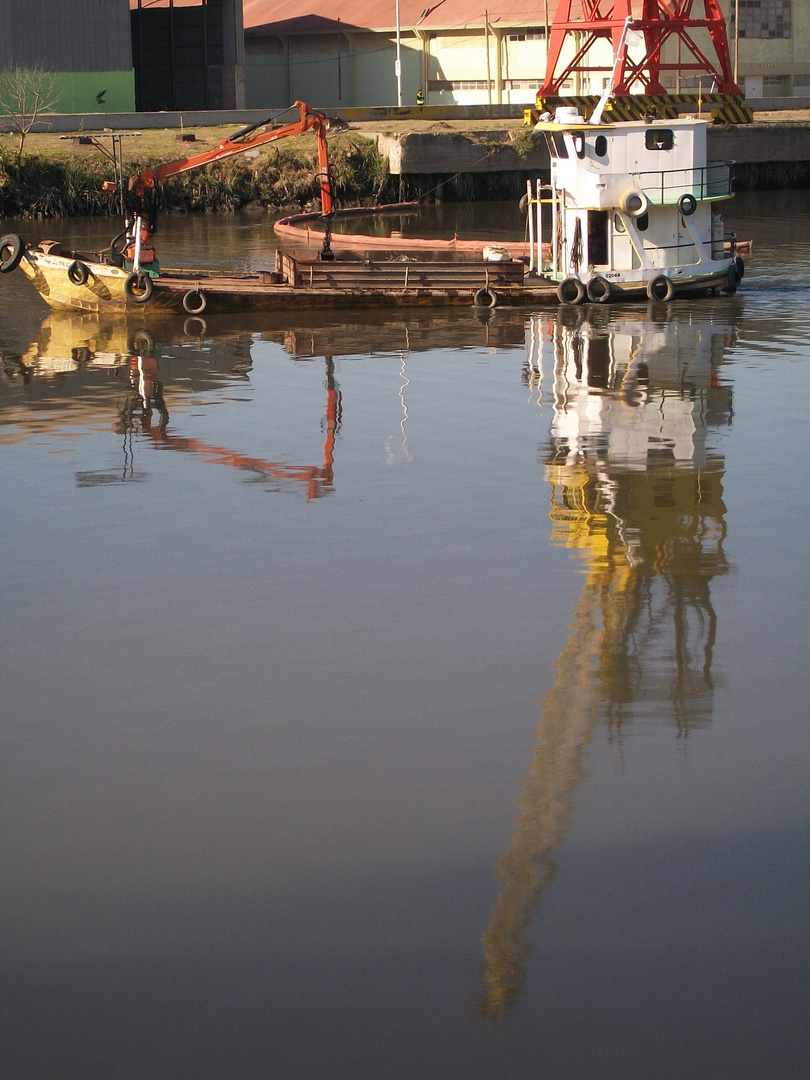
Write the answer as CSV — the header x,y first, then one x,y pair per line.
x,y
141,200
309,120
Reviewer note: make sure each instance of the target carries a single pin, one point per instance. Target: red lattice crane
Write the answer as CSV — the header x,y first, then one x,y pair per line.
x,y
660,22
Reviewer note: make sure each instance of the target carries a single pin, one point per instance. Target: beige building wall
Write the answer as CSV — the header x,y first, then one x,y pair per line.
x,y
772,47
356,68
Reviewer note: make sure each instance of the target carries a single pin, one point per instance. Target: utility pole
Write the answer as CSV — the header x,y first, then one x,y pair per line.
x,y
398,62
737,42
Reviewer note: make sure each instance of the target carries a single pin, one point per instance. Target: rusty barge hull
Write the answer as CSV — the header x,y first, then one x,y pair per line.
x,y
294,284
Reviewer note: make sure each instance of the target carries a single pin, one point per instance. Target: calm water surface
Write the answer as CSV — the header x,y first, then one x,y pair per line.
x,y
436,710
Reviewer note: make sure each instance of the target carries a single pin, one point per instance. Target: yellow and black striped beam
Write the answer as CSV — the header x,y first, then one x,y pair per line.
x,y
721,108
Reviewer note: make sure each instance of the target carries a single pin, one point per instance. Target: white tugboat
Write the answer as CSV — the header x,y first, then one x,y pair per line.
x,y
633,208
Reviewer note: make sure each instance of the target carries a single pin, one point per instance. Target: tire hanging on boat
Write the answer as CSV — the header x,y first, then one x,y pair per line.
x,y
486,298
571,291
660,288
192,306
78,273
599,289
687,204
137,281
740,265
11,251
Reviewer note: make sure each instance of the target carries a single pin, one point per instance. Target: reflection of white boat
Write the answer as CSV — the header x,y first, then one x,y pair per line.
x,y
637,494
634,393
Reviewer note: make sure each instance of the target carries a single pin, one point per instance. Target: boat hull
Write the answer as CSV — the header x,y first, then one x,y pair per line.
x,y
313,286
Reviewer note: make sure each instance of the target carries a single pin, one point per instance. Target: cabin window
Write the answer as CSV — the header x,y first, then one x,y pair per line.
x,y
597,237
579,143
600,145
643,222
659,138
618,224
556,145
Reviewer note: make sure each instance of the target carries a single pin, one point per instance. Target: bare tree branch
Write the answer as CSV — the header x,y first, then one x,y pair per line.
x,y
25,93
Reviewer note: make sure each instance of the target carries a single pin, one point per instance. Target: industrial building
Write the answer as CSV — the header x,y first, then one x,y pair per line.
x,y
118,56
84,45
453,54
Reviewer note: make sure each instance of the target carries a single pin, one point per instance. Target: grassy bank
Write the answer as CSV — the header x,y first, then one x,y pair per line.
x,y
62,177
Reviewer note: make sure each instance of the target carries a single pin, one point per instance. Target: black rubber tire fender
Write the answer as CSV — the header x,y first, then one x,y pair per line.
x,y
486,298
687,204
192,307
740,268
11,251
599,289
78,272
136,281
733,280
662,282
571,291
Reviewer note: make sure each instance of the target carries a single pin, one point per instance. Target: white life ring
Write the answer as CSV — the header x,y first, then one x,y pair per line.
x,y
634,203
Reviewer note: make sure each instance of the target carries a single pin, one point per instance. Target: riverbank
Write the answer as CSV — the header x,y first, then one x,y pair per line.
x,y
381,160
58,177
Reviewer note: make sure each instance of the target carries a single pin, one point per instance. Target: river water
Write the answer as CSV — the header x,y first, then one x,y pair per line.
x,y
437,711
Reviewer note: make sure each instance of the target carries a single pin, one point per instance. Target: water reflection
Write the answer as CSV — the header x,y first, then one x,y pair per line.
x,y
635,483
90,368
70,346
636,492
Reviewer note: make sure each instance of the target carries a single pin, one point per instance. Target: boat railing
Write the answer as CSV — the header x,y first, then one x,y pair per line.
x,y
711,181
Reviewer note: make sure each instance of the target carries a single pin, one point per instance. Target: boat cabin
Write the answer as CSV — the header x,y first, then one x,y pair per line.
x,y
632,200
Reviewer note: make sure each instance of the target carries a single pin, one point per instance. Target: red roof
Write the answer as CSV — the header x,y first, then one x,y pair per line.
x,y
280,16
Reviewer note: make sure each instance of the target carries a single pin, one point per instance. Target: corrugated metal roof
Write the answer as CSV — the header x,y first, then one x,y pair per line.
x,y
280,16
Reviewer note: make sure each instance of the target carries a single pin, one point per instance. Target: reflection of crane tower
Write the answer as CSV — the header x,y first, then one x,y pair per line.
x,y
636,494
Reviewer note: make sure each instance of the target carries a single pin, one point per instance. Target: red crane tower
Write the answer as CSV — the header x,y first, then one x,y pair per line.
x,y
660,22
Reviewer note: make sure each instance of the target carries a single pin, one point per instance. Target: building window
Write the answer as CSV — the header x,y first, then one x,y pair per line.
x,y
534,33
763,18
472,84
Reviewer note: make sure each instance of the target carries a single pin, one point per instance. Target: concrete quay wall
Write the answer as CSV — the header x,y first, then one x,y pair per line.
x,y
440,153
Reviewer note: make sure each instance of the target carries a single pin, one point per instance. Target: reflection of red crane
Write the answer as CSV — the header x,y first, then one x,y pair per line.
x,y
317,480
140,198
660,21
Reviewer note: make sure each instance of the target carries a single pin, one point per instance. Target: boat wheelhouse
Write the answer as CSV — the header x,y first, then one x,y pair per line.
x,y
633,210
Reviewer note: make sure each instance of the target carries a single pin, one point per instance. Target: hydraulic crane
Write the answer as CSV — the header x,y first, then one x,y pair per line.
x,y
139,193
